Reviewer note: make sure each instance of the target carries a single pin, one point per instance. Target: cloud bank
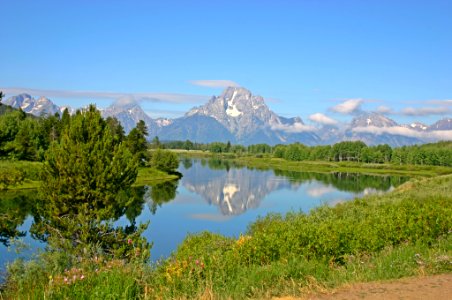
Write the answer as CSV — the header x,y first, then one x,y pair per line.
x,y
150,97
322,119
399,130
426,111
294,128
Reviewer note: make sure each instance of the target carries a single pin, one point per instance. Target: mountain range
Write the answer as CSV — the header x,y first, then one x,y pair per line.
x,y
240,117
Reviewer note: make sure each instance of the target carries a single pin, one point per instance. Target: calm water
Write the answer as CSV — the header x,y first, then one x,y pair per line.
x,y
212,195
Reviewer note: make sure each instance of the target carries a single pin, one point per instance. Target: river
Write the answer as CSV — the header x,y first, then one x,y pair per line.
x,y
212,195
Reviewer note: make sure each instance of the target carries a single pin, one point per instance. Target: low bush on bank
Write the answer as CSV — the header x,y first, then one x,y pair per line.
x,y
15,173
403,233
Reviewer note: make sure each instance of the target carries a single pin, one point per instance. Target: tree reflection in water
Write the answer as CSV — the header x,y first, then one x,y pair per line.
x,y
160,193
15,206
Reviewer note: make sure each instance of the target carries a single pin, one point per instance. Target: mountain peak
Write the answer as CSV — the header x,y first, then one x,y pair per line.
x,y
366,119
443,124
30,105
231,90
418,126
249,120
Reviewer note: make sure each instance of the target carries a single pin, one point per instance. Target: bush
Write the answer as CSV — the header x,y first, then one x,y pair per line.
x,y
164,160
10,177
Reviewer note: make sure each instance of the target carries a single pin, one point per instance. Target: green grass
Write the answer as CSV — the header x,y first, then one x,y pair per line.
x,y
403,233
347,167
31,171
151,176
268,162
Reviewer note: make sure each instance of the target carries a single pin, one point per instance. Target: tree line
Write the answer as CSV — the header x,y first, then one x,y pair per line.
x,y
437,154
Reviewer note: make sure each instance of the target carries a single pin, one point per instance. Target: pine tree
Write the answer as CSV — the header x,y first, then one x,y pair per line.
x,y
88,166
136,141
86,181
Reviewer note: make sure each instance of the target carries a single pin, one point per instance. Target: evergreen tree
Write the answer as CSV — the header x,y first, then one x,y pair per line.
x,y
137,143
86,179
116,129
65,118
156,143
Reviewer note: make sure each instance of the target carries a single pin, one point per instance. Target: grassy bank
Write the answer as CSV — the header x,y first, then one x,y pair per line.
x,y
31,174
347,167
267,162
404,233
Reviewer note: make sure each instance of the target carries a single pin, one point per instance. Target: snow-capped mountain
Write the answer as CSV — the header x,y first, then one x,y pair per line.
x,y
130,113
373,129
366,119
240,117
247,119
444,124
418,126
37,107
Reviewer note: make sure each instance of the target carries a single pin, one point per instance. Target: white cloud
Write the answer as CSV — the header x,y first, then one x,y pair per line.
x,y
399,130
164,113
384,110
151,97
425,111
125,101
348,106
320,191
440,102
322,119
294,128
215,83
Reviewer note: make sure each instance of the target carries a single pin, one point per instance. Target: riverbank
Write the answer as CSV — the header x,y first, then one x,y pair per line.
x,y
403,233
267,162
31,171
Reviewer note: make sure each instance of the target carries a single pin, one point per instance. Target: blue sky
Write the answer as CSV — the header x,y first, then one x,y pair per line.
x,y
304,57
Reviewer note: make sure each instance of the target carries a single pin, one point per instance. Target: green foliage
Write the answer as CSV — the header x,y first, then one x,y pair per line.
x,y
259,149
115,128
164,160
86,181
349,151
10,177
88,166
52,276
137,144
296,152
439,154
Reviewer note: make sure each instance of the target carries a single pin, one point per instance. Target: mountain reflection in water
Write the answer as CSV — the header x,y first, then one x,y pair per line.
x,y
236,189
